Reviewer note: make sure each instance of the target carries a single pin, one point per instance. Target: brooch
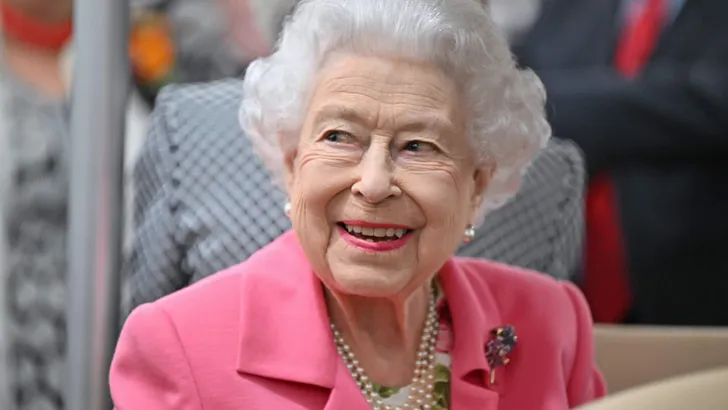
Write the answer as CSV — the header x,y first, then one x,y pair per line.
x,y
497,350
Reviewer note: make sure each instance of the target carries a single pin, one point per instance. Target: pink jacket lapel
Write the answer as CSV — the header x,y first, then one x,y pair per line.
x,y
471,328
284,325
294,342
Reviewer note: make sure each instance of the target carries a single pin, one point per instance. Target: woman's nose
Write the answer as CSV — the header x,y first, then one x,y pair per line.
x,y
375,180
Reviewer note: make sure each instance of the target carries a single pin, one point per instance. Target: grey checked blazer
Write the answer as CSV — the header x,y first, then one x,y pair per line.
x,y
204,202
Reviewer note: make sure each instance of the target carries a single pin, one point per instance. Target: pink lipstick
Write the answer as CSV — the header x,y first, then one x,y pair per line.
x,y
374,237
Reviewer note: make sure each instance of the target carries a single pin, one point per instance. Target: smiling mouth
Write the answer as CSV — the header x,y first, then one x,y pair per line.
x,y
378,234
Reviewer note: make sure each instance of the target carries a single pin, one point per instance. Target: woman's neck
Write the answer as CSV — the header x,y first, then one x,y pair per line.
x,y
383,333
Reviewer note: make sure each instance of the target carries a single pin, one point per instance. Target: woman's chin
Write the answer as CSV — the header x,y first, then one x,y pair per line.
x,y
368,282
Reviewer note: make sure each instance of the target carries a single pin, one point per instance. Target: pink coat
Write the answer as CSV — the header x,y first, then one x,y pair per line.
x,y
257,336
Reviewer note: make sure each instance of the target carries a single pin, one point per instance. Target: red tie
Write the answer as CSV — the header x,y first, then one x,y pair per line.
x,y
606,283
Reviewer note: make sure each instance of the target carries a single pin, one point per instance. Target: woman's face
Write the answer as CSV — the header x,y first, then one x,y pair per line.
x,y
384,182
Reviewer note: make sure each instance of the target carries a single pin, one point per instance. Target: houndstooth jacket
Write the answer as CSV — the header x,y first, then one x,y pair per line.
x,y
204,202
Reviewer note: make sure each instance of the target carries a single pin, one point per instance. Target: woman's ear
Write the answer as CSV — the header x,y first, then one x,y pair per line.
x,y
481,179
289,164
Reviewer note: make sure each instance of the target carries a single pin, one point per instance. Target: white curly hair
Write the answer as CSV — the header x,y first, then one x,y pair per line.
x,y
505,105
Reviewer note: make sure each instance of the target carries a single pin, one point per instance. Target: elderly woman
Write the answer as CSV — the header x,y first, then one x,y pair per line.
x,y
393,126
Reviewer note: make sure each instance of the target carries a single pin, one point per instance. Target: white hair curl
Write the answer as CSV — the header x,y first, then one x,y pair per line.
x,y
506,105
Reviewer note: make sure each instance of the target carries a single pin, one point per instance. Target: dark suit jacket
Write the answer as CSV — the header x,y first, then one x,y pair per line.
x,y
663,138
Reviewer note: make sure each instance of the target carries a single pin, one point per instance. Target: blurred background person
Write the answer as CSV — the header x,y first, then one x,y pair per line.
x,y
35,82
642,87
4,180
35,118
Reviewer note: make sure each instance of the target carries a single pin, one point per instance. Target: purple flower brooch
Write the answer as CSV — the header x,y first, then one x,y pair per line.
x,y
498,348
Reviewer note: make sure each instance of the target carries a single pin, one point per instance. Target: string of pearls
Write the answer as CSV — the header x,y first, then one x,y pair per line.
x,y
420,395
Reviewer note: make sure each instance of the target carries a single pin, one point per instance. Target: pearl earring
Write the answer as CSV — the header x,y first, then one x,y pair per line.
x,y
287,208
469,233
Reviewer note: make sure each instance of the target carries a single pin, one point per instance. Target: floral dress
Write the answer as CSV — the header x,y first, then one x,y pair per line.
x,y
443,348
33,276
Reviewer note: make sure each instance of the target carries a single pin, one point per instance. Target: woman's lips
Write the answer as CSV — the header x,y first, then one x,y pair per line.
x,y
375,231
386,243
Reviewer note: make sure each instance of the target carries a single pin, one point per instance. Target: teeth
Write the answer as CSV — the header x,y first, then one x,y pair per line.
x,y
376,232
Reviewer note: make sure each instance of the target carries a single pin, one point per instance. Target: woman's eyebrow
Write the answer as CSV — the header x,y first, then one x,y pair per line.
x,y
341,112
420,122
406,122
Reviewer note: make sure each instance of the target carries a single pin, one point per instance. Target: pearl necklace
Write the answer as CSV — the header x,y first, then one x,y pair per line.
x,y
422,386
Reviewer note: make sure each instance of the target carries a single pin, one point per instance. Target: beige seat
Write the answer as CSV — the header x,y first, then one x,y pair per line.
x,y
630,356
706,390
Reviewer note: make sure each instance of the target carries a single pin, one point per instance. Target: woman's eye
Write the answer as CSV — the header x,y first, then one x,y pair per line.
x,y
336,136
417,146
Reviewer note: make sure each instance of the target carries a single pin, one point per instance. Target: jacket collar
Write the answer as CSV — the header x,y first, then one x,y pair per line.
x,y
285,332
284,325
